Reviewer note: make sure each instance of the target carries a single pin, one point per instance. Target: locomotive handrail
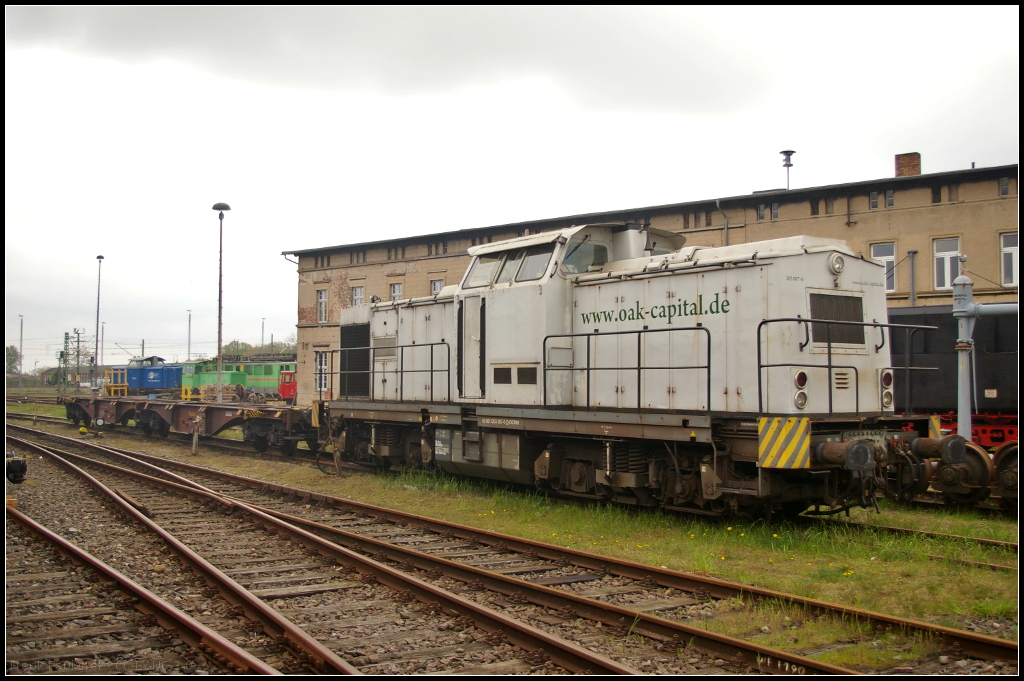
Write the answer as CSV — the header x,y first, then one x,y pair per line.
x,y
372,371
828,324
639,368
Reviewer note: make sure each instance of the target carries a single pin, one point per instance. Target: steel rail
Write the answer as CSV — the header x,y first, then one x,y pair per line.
x,y
737,650
903,530
970,643
211,441
194,633
306,648
564,653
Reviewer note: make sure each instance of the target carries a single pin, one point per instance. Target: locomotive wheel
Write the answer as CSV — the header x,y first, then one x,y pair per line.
x,y
980,472
260,443
1005,461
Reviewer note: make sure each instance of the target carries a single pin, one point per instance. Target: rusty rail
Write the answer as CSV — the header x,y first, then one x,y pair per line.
x,y
306,648
191,631
976,645
564,653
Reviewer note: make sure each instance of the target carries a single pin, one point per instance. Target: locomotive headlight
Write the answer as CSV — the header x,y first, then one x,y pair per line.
x,y
800,378
887,378
836,263
886,398
800,399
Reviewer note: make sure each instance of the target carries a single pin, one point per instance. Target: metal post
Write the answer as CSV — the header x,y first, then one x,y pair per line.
x,y
220,207
188,355
103,341
21,349
78,359
96,351
263,328
963,304
913,283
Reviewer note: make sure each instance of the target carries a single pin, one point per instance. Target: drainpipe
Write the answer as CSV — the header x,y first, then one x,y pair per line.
x,y
725,234
913,294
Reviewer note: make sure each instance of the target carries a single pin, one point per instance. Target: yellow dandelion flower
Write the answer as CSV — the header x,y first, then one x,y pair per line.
x,y
743,534
776,536
770,560
723,557
729,528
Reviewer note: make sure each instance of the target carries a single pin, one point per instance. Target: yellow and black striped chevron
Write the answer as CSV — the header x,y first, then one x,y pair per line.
x,y
934,426
784,442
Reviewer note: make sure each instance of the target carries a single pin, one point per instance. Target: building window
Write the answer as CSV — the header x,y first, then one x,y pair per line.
x,y
686,221
814,206
760,212
830,206
947,266
356,257
1009,257
936,194
707,219
953,191
320,379
357,296
775,211
886,254
890,198
396,292
435,286
1004,186
873,200
321,306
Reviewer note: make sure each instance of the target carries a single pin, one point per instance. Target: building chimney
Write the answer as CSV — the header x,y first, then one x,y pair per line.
x,y
908,164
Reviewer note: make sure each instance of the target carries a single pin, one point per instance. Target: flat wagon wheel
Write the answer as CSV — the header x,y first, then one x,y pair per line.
x,y
980,474
1005,461
260,443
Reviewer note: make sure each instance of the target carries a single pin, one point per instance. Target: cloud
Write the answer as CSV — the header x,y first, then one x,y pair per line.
x,y
604,58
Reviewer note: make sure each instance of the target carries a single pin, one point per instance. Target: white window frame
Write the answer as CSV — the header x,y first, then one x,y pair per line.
x,y
872,200
321,306
1011,277
396,291
890,264
358,296
775,211
890,198
945,262
760,212
320,377
435,286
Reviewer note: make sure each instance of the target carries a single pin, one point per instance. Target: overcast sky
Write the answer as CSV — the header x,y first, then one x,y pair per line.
x,y
330,126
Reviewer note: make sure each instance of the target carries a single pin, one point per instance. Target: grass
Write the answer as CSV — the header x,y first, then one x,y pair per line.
x,y
878,571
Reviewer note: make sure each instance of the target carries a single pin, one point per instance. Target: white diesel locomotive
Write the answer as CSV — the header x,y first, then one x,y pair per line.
x,y
613,362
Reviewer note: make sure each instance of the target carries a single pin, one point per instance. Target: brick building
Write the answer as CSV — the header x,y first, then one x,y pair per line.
x,y
917,224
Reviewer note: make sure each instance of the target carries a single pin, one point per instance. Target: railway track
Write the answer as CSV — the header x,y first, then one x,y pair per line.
x,y
379,619
69,612
569,583
217,443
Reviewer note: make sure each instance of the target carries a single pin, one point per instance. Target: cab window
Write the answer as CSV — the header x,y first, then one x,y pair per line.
x,y
483,270
581,256
535,264
511,266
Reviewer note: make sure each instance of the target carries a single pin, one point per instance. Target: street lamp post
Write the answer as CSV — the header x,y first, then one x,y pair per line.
x,y
188,356
96,351
220,207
